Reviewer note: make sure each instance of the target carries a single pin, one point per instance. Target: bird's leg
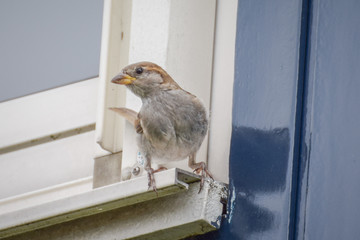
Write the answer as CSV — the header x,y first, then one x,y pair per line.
x,y
199,168
150,173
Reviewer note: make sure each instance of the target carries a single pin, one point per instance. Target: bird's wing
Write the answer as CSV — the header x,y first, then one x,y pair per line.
x,y
130,115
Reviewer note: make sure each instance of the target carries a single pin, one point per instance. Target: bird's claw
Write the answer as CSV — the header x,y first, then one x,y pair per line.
x,y
151,180
160,169
204,172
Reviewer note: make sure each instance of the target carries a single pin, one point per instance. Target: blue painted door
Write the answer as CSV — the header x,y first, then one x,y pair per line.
x,y
295,149
329,179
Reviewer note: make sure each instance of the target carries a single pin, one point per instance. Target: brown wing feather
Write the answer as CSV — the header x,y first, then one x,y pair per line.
x,y
130,115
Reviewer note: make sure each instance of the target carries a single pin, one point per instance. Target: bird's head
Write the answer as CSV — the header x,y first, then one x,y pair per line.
x,y
145,79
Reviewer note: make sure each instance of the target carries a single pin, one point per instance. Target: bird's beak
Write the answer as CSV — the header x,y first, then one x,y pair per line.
x,y
122,78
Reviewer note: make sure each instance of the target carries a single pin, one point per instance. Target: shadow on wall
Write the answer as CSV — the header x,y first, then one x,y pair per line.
x,y
259,162
259,159
258,166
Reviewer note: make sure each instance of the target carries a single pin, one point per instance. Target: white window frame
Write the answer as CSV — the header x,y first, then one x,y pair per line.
x,y
39,130
211,45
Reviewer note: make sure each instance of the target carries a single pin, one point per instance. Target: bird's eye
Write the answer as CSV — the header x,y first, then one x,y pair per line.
x,y
139,70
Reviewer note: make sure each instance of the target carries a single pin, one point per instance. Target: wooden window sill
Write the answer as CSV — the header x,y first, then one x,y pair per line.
x,y
176,212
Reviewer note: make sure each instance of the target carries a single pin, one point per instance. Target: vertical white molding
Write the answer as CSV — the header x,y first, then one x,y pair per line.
x,y
114,55
222,90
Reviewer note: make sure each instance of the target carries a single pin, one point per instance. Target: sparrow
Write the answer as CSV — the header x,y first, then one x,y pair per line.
x,y
171,123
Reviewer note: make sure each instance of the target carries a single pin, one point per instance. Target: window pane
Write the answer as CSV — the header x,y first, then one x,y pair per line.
x,y
47,43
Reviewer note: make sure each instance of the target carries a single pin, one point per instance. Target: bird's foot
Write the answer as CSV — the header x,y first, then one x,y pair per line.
x,y
151,180
160,169
202,170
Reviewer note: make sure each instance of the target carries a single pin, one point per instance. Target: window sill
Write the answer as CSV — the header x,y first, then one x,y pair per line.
x,y
178,209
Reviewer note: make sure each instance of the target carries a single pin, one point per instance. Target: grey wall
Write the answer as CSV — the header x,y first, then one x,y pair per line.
x,y
47,43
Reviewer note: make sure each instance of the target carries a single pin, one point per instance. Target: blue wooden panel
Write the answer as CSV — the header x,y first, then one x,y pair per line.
x,y
330,192
266,114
